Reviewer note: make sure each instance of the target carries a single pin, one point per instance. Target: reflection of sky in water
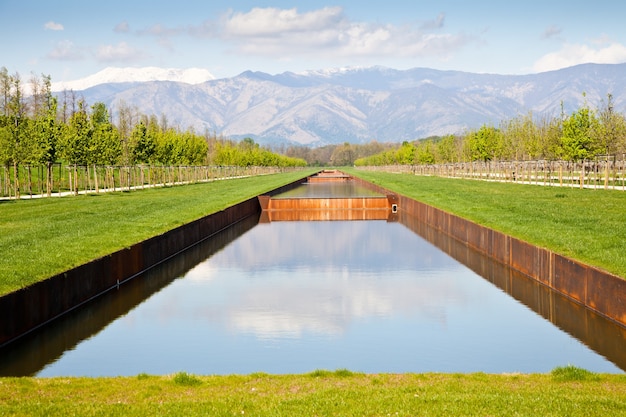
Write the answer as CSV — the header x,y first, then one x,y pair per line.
x,y
291,297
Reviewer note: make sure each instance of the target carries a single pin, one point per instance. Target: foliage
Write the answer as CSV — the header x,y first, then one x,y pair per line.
x,y
578,142
485,144
248,153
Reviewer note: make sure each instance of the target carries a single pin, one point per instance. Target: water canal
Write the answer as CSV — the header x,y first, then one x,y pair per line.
x,y
296,296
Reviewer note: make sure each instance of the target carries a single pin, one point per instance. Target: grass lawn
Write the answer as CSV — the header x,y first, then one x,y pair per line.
x,y
566,391
42,237
587,225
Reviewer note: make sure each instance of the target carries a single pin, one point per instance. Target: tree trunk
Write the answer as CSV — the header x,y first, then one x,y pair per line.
x,y
49,178
30,181
75,179
16,181
95,178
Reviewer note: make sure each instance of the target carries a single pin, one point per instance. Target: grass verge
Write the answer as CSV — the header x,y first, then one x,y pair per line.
x,y
43,237
587,225
319,393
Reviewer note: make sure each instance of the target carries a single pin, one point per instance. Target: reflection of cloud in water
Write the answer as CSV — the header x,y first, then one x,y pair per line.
x,y
284,280
280,304
372,245
204,271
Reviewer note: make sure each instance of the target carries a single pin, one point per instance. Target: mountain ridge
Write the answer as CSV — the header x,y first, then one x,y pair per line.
x,y
363,104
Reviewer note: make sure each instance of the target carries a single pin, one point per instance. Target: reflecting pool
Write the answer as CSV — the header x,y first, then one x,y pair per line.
x,y
293,297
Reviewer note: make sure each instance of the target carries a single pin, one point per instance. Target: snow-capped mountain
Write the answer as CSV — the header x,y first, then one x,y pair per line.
x,y
361,104
135,75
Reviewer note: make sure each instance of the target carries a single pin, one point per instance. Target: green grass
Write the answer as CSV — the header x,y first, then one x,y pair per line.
x,y
321,393
42,237
587,225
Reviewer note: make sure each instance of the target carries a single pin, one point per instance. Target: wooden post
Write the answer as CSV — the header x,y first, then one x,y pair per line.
x,y
582,175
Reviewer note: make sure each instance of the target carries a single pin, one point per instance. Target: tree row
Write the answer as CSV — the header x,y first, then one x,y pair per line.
x,y
583,135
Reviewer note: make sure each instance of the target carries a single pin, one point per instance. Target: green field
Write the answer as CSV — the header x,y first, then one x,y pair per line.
x,y
43,237
587,225
566,391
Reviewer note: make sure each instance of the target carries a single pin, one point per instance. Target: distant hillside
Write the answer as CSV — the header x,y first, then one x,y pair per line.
x,y
358,105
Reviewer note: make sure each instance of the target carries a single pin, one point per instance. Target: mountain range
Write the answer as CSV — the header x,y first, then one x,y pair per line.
x,y
354,105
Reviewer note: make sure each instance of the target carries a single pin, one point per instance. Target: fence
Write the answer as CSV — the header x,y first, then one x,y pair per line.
x,y
77,179
598,174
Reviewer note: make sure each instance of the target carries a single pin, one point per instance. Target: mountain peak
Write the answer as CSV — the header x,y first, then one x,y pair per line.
x,y
136,74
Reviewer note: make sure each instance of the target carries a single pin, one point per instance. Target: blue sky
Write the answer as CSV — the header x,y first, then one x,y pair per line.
x,y
70,39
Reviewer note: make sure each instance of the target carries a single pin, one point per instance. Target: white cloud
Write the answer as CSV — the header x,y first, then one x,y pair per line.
x,y
53,26
122,27
602,52
66,51
274,22
551,32
327,32
116,53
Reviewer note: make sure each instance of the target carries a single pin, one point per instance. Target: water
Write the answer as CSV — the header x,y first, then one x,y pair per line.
x,y
336,189
293,297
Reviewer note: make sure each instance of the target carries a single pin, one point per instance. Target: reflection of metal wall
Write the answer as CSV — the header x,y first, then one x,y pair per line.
x,y
30,354
598,290
29,308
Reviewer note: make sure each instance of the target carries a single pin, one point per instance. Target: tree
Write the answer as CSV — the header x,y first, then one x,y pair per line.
x,y
143,144
446,149
343,155
611,132
405,155
5,91
425,153
485,144
46,132
17,124
578,137
105,147
77,136
127,117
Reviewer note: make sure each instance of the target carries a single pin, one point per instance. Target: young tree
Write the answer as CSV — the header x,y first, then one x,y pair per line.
x,y
611,132
5,91
105,147
143,144
578,137
77,137
46,132
18,126
485,144
447,149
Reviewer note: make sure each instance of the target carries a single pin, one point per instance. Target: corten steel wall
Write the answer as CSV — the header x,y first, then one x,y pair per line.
x,y
348,203
29,308
597,290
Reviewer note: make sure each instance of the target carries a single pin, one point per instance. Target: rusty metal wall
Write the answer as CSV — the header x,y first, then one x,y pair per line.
x,y
328,203
600,291
603,334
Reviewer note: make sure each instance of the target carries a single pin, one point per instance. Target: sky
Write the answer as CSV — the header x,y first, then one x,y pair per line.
x,y
69,39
